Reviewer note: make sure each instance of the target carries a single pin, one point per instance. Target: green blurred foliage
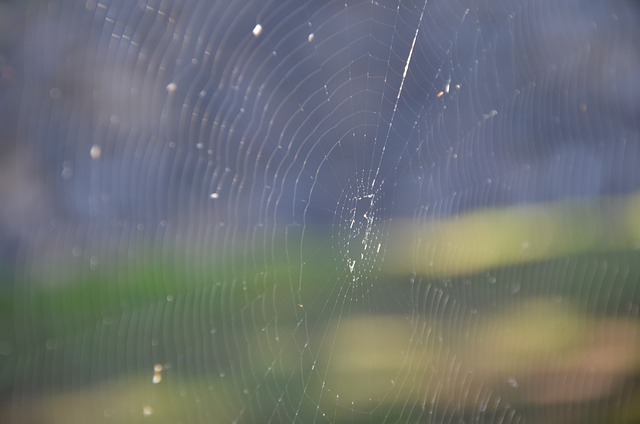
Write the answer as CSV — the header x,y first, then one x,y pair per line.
x,y
149,338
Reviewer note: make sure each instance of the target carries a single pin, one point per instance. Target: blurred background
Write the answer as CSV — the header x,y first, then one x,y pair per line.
x,y
319,211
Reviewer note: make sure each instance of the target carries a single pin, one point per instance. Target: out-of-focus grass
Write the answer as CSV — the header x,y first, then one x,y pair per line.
x,y
134,399
532,307
537,352
493,238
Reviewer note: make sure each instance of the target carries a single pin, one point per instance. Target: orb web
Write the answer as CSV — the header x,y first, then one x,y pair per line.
x,y
268,207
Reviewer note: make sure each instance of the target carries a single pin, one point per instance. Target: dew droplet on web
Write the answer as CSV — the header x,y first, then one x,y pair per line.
x,y
55,93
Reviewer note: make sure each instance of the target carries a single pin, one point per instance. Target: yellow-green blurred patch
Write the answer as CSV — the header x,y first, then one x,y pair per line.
x,y
493,238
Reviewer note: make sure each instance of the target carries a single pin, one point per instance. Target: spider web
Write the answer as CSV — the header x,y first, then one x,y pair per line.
x,y
232,176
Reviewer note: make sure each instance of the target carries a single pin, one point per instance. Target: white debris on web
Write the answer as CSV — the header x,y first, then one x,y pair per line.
x,y
157,373
257,30
95,152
